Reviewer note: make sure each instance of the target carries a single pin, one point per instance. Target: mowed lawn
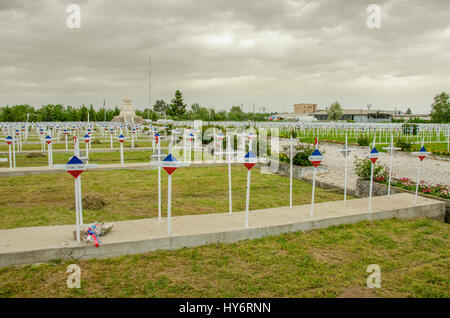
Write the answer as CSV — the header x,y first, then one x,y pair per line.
x,y
48,199
110,157
413,256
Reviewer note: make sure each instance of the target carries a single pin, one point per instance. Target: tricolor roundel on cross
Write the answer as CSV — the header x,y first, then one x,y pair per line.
x,y
75,166
249,160
121,138
422,153
87,138
9,140
316,158
373,155
157,137
170,164
48,140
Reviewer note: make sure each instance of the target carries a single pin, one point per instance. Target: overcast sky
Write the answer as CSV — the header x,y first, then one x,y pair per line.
x,y
271,53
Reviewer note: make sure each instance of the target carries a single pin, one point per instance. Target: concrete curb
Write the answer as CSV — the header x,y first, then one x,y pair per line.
x,y
430,209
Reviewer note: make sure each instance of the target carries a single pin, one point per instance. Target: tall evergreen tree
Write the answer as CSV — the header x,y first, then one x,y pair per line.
x,y
177,107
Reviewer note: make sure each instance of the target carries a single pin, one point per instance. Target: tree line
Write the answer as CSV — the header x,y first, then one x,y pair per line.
x,y
176,109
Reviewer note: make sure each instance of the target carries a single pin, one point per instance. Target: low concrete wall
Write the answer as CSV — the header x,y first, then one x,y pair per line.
x,y
434,211
297,171
379,189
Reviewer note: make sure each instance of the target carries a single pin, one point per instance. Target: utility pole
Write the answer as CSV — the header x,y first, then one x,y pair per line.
x,y
149,84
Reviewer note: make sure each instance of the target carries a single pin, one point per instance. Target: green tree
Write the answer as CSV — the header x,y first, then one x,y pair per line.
x,y
335,111
177,107
91,113
160,107
236,114
83,113
408,111
440,109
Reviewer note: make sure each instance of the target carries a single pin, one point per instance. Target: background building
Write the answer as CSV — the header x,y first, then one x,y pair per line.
x,y
305,108
358,116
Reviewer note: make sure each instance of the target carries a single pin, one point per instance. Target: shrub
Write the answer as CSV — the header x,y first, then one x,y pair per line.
x,y
363,140
406,128
403,144
301,158
363,167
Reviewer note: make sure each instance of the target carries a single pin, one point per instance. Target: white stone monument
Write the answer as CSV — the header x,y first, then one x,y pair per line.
x,y
127,114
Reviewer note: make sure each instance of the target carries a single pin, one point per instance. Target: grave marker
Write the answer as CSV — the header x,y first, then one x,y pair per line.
x,y
9,141
422,153
170,164
249,163
75,167
49,140
391,149
315,158
121,139
373,156
346,152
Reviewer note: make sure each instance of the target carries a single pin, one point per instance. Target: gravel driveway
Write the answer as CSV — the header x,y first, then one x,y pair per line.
x,y
403,165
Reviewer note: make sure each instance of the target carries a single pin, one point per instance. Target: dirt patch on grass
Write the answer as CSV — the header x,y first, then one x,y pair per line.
x,y
357,292
331,256
35,155
96,142
92,201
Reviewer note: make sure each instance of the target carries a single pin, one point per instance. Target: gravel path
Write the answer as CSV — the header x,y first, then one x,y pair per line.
x,y
403,165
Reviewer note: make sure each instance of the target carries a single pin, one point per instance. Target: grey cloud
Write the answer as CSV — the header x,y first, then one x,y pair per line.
x,y
269,53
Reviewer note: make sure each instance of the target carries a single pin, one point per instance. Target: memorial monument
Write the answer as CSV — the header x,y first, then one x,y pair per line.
x,y
127,114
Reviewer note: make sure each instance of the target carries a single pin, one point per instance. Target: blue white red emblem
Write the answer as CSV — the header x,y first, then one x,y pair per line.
x,y
170,164
9,140
48,140
87,138
422,153
121,138
373,155
157,137
316,158
75,166
249,160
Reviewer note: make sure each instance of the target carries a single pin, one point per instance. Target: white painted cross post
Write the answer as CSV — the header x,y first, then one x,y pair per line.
x,y
346,152
249,163
87,140
373,156
65,138
9,141
291,170
75,167
121,139
422,153
133,133
315,158
391,149
159,164
190,137
111,134
170,164
229,153
49,140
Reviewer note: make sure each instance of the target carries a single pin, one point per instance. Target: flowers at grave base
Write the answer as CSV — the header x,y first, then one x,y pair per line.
x,y
379,179
439,190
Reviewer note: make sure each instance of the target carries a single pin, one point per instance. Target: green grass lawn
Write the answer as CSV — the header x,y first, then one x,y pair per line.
x,y
48,199
414,257
36,160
